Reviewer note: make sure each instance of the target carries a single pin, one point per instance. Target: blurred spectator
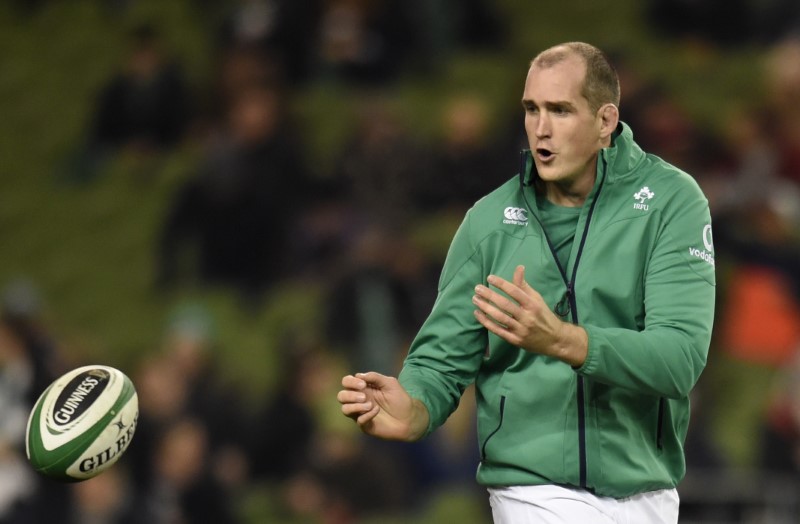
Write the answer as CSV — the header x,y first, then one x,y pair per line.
x,y
191,348
783,99
162,400
775,20
366,42
284,429
144,108
106,499
239,68
306,459
468,161
755,212
381,298
232,221
780,439
23,313
182,488
181,381
383,170
758,326
701,20
186,459
30,360
17,482
666,129
751,177
725,23
342,470
283,32
475,24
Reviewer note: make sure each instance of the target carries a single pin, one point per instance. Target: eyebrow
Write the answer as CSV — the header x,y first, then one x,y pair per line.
x,y
558,104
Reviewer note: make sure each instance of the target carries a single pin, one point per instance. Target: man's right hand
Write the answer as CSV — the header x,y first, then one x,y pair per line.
x,y
382,407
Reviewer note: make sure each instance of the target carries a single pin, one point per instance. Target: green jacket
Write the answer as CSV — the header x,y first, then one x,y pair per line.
x,y
640,280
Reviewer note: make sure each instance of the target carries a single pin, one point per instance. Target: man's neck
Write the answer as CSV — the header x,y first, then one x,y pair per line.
x,y
571,193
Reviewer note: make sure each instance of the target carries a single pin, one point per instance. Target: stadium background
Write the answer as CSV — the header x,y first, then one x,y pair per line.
x,y
82,238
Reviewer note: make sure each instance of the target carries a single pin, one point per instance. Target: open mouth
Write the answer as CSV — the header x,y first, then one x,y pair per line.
x,y
544,154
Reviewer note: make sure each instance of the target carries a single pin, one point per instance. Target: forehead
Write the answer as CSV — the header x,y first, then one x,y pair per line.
x,y
562,81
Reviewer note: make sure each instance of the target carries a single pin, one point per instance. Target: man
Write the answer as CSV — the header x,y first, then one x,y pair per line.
x,y
579,299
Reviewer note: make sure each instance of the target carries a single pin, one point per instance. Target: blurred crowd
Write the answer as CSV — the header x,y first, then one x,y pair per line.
x,y
255,213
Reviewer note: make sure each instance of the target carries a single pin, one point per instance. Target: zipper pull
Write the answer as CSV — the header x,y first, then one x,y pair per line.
x,y
563,307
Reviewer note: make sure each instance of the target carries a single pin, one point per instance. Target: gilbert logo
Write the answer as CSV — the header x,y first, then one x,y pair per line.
x,y
516,216
642,196
123,439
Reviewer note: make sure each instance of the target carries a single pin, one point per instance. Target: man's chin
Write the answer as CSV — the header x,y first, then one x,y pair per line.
x,y
548,173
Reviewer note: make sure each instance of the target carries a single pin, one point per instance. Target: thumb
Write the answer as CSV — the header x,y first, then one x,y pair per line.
x,y
374,378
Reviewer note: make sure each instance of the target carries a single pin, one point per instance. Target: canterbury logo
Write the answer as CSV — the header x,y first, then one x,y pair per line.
x,y
516,216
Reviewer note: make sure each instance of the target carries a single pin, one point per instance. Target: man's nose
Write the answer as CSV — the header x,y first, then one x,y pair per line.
x,y
542,126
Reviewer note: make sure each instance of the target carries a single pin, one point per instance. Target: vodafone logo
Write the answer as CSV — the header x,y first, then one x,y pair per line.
x,y
706,255
516,216
708,239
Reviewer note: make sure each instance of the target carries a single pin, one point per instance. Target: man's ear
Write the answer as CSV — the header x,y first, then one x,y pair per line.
x,y
609,118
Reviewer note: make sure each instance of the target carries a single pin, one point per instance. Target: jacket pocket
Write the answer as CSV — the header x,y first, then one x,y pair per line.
x,y
499,425
660,423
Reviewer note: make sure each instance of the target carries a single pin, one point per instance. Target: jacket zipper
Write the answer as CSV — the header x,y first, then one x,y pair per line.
x,y
499,425
660,424
568,306
574,306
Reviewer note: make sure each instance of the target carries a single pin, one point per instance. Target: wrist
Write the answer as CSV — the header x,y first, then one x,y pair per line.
x,y
572,345
420,418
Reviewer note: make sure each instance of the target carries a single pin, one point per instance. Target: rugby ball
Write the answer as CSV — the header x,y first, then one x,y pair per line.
x,y
82,423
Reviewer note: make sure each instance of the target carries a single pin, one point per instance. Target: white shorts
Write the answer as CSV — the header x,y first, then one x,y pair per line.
x,y
562,505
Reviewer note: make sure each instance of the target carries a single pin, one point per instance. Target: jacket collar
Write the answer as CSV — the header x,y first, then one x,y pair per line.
x,y
621,158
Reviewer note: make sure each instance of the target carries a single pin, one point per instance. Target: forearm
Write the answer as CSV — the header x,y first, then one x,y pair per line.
x,y
663,362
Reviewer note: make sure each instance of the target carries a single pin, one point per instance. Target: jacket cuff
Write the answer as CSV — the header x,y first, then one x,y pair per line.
x,y
589,365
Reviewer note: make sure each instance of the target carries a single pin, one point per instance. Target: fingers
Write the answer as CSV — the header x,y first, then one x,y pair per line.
x,y
496,305
373,379
356,410
500,311
523,296
519,289
506,314
348,396
360,381
354,398
519,277
498,329
355,404
353,382
368,416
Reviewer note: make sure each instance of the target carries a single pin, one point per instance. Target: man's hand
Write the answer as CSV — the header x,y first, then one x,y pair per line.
x,y
521,317
382,407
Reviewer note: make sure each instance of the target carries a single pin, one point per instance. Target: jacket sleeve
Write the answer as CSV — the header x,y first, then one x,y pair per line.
x,y
667,356
446,354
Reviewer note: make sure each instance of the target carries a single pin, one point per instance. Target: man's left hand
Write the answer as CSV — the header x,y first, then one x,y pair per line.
x,y
521,317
